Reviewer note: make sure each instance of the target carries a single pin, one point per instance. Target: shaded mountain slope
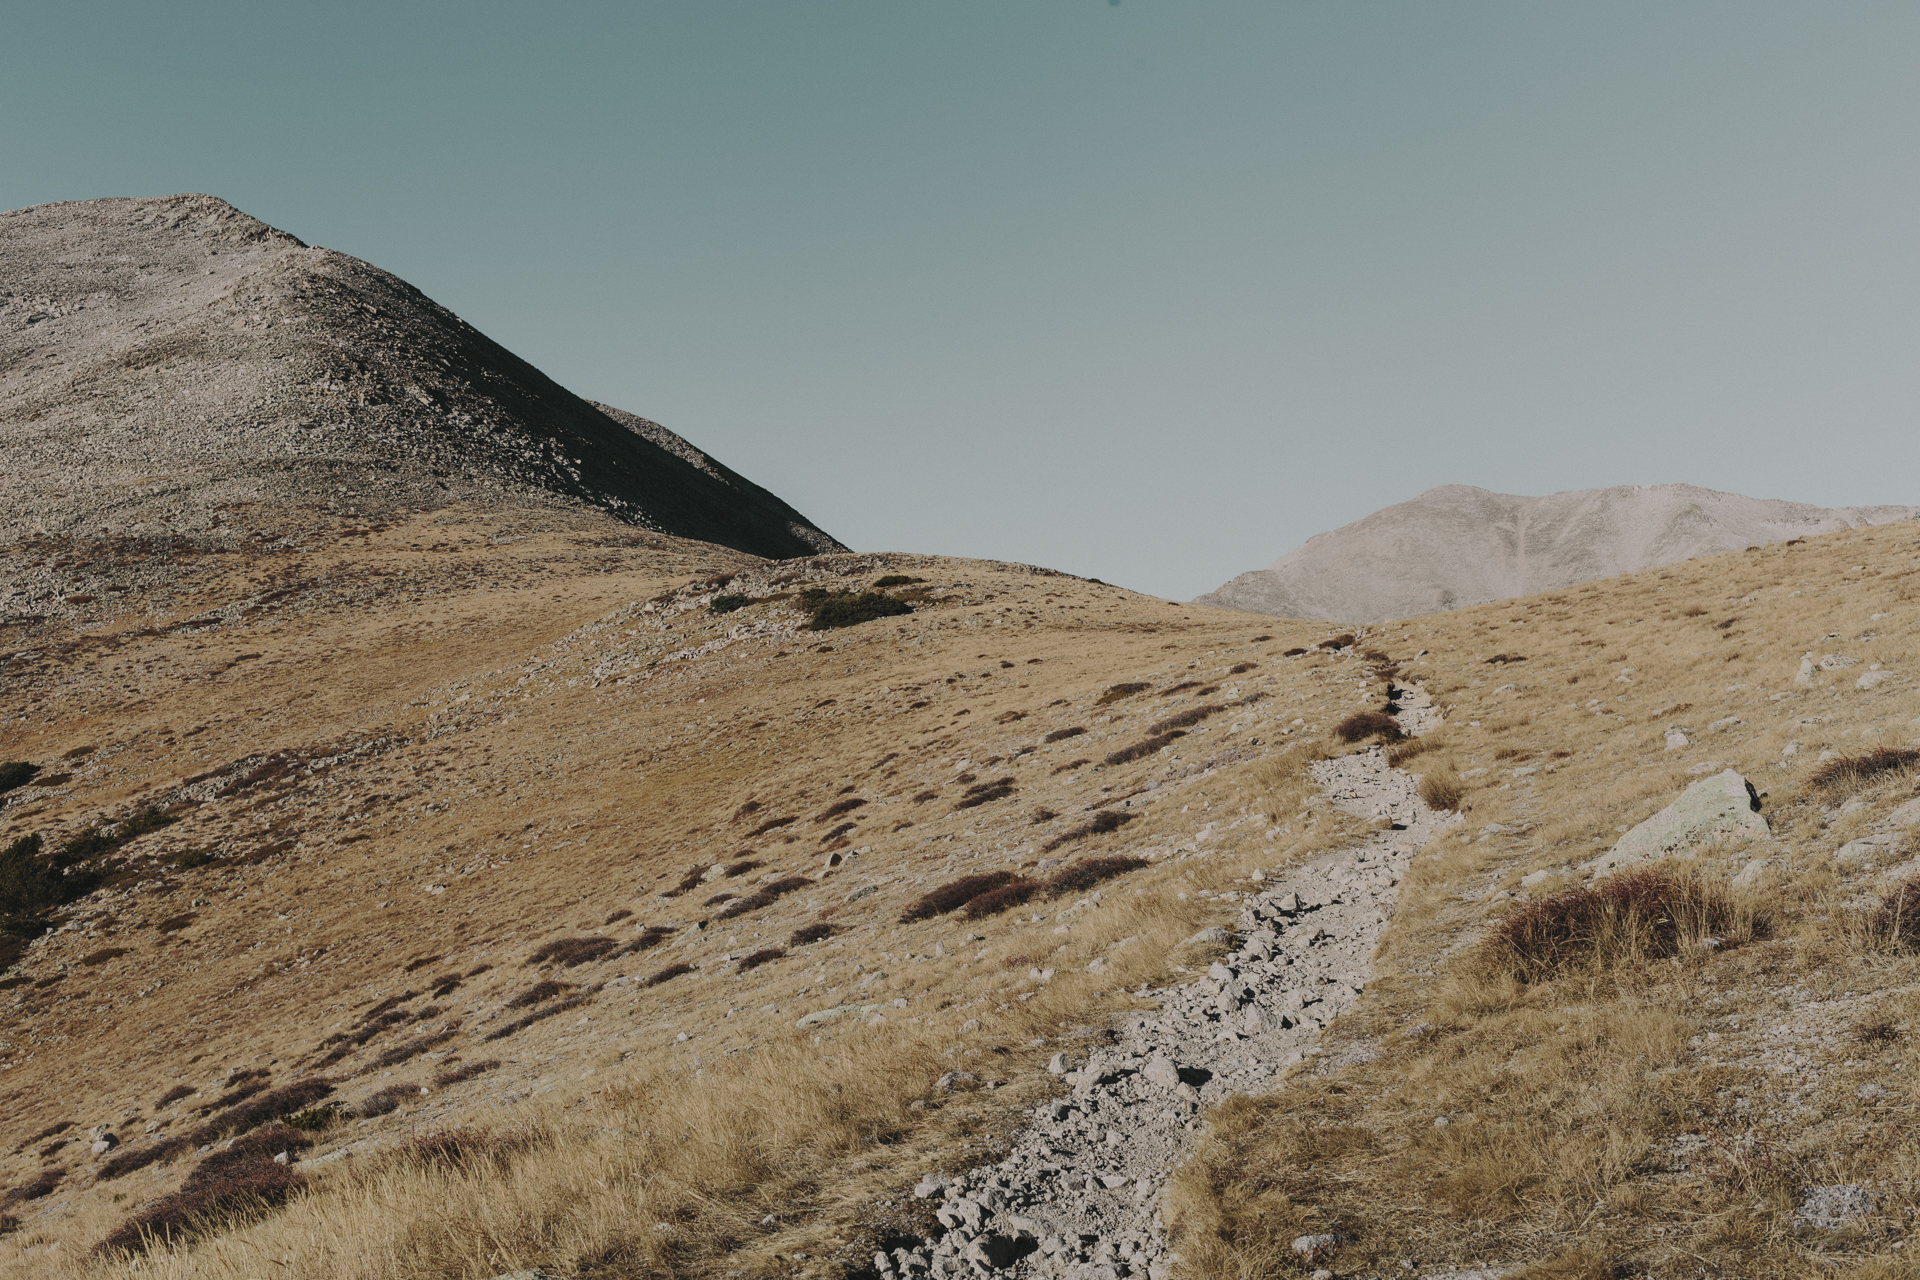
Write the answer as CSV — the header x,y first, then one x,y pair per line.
x,y
1458,545
161,359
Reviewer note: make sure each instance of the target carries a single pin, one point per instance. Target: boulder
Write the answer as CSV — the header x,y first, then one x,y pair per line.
x,y
1162,1072
1873,679
1907,815
1723,805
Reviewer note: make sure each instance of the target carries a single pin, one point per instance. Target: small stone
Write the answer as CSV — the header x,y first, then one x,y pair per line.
x,y
1829,1208
1210,937
1114,1181
956,1080
1316,1248
1057,1064
1873,679
1837,662
281,1157
1220,973
1161,1071
105,1143
1535,879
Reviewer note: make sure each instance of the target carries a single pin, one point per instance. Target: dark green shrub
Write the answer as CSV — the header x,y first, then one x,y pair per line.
x,y
1191,716
1145,747
188,859
985,793
1116,692
1014,893
760,957
1090,873
568,952
669,973
466,1071
15,774
535,994
728,604
897,580
832,609
1368,724
314,1119
810,933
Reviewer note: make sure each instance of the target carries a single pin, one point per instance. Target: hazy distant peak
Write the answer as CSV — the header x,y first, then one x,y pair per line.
x,y
1457,545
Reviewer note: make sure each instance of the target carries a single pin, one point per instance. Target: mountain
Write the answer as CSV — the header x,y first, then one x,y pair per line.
x,y
164,359
1458,545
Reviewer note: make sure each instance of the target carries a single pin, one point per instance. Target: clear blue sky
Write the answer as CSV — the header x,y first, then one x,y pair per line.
x,y
1148,291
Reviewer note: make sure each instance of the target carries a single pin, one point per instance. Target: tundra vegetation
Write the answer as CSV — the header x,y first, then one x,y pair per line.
x,y
573,856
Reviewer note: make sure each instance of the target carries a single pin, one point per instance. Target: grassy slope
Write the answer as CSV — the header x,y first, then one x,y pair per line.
x,y
523,742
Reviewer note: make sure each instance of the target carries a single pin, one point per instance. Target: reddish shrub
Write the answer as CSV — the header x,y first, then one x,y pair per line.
x,y
1091,872
139,1155
1644,914
770,825
536,993
251,1114
1896,921
1851,772
833,811
569,952
954,895
1340,641
1061,735
1116,692
174,1095
1191,716
670,972
243,1193
42,1184
1102,824
767,896
1012,894
465,1071
760,957
810,933
985,793
1368,724
383,1101
1145,747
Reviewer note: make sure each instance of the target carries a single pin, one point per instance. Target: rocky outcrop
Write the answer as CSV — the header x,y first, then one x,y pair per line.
x,y
1457,545
1725,806
163,359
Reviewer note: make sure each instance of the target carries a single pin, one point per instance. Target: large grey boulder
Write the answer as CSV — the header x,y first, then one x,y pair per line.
x,y
1725,805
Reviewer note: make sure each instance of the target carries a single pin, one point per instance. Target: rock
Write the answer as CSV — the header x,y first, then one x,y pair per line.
x,y
1804,677
993,1250
104,1143
1221,973
1873,679
1792,748
1162,1072
956,1080
1097,965
1057,1064
1837,662
1114,1181
821,1016
1829,1208
1907,815
930,1186
1535,879
1730,722
282,1157
1723,805
1677,738
1315,1248
1287,904
1210,936
1257,1021
1861,852
1752,872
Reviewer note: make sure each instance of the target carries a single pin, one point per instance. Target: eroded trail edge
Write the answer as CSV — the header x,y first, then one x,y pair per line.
x,y
1079,1194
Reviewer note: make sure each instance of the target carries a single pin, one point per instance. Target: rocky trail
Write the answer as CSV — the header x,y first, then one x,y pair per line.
x,y
1079,1195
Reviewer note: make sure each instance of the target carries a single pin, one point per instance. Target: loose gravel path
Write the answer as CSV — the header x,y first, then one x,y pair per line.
x,y
1079,1195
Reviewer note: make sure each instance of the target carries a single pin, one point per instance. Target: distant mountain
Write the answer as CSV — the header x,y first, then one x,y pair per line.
x,y
162,358
1458,545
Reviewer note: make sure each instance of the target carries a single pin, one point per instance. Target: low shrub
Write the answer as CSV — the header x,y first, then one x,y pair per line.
x,y
102,956
469,1149
1191,716
741,868
1293,653
618,916
1090,873
1145,747
240,1094
465,1071
1116,692
836,833
415,1047
238,1193
174,1095
1341,641
669,973
315,1119
1040,815
1504,658
1442,789
1368,724
284,1101
384,1101
42,1184
1647,914
1102,824
1895,923
766,897
1069,766
728,603
536,993
570,952
985,793
897,580
719,898
1016,892
1851,773
830,610
760,957
1240,668
647,939
528,1019
833,811
770,825
1061,735
810,933
953,895
15,774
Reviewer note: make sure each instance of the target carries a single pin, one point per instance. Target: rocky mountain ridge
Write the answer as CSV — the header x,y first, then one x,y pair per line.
x,y
163,359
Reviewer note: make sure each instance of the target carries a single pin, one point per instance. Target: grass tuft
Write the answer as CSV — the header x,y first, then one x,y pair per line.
x,y
1650,913
1368,724
1851,773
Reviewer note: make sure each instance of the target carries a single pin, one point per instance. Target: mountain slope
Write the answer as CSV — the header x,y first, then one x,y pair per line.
x,y
1458,545
162,359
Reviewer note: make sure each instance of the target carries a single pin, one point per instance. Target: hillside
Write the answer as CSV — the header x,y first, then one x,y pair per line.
x,y
1457,545
164,359
597,845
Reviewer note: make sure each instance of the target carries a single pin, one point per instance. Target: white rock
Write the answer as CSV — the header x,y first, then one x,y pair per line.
x,y
1723,805
1907,815
1837,662
1873,679
1804,678
1162,1072
1537,878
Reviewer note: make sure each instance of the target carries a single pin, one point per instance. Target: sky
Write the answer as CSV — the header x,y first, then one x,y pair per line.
x,y
1146,291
